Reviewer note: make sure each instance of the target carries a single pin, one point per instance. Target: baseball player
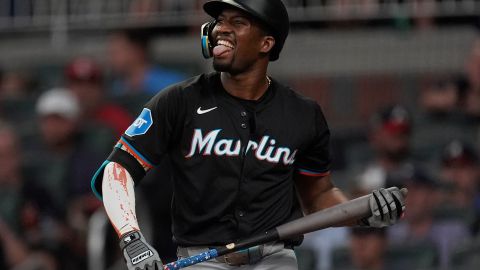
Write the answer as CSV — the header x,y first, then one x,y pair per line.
x,y
242,146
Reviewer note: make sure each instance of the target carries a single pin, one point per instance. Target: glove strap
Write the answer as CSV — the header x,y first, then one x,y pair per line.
x,y
129,237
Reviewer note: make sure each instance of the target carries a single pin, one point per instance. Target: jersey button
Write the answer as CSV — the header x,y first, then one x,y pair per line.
x,y
243,125
243,114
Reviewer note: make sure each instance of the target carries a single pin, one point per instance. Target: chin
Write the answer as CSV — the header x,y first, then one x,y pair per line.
x,y
221,67
225,65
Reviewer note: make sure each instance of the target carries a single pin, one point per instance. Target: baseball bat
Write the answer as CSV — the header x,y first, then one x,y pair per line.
x,y
354,209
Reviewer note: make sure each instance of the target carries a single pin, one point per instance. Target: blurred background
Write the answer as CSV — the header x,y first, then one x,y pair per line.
x,y
398,80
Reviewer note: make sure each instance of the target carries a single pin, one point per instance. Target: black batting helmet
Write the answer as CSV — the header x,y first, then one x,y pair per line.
x,y
272,13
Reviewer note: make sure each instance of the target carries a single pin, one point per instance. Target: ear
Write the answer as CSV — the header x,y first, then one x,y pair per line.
x,y
267,44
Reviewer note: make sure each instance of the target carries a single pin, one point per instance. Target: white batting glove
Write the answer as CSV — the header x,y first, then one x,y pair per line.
x,y
138,254
386,206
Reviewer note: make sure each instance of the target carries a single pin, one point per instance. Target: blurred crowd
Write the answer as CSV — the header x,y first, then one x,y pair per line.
x,y
53,140
434,153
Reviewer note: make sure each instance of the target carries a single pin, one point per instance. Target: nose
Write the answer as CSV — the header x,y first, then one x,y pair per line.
x,y
221,28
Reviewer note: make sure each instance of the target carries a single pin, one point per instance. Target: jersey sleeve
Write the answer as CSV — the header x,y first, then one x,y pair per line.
x,y
315,160
147,140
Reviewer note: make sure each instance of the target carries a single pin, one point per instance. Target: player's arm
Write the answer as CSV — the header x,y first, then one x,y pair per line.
x,y
119,198
317,193
315,188
140,148
119,201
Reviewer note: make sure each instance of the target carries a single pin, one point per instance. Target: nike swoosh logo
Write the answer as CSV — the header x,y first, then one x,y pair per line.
x,y
200,111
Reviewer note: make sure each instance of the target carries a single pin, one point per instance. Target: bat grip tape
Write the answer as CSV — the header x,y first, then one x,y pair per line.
x,y
182,263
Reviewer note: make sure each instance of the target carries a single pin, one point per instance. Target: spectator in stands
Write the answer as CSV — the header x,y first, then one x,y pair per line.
x,y
460,171
17,255
420,227
471,101
64,164
24,211
85,79
424,13
66,160
128,53
16,98
439,119
368,248
174,5
14,85
144,8
440,98
390,140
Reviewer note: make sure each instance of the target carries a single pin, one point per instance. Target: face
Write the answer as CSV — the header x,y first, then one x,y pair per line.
x,y
394,146
56,130
442,98
464,181
13,85
473,65
420,202
122,53
239,42
89,94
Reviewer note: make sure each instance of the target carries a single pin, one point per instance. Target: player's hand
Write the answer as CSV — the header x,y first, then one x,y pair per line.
x,y
387,207
138,254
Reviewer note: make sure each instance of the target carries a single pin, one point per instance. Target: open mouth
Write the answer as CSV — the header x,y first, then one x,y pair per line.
x,y
223,48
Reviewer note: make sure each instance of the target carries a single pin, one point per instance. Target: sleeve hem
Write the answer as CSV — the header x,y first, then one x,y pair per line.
x,y
135,153
93,183
313,173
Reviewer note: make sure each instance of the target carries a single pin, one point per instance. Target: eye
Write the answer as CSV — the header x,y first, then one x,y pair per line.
x,y
239,22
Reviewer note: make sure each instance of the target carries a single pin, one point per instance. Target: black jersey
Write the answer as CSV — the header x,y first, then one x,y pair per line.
x,y
233,161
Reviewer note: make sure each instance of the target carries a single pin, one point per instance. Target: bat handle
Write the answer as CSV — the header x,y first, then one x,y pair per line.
x,y
182,263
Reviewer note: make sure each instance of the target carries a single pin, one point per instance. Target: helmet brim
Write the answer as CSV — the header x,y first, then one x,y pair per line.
x,y
215,7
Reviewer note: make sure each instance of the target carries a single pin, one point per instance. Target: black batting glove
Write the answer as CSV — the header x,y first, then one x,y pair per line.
x,y
386,206
138,254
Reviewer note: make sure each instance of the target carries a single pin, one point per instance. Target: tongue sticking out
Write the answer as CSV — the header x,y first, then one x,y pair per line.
x,y
220,50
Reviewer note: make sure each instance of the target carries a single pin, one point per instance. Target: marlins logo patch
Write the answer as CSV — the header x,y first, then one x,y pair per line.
x,y
141,125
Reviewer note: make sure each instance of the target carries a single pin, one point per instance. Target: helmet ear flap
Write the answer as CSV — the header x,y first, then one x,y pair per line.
x,y
206,36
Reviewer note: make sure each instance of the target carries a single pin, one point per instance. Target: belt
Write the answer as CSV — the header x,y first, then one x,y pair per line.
x,y
246,256
242,257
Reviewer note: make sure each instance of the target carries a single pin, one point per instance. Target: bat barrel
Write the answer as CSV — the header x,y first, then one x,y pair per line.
x,y
351,210
354,209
